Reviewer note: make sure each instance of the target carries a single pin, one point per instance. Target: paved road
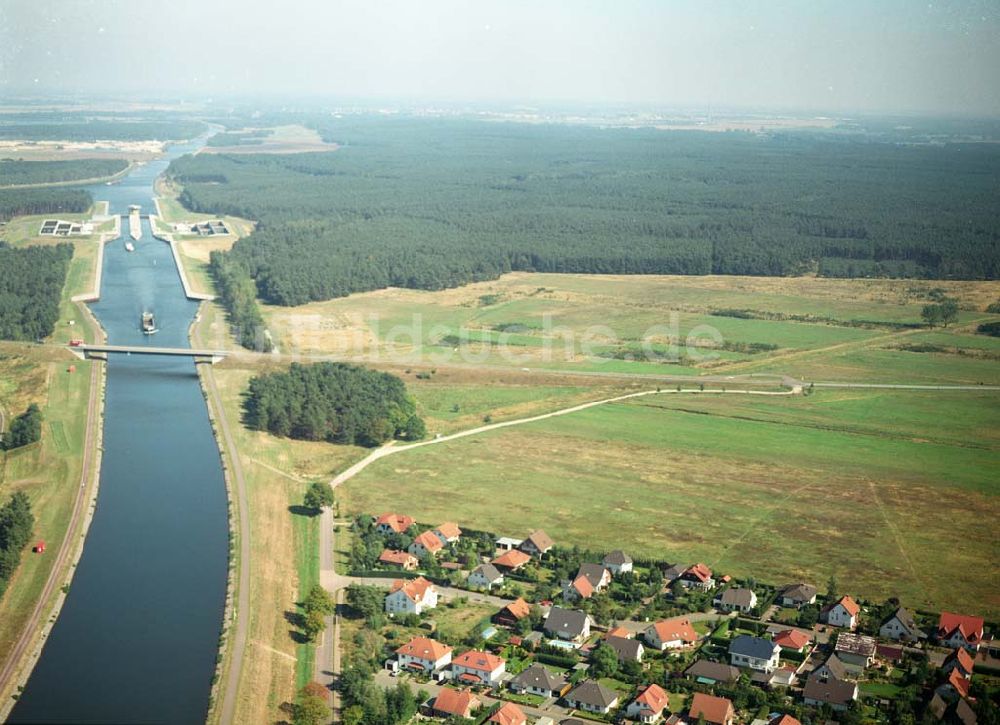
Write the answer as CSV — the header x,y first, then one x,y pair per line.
x,y
66,547
904,386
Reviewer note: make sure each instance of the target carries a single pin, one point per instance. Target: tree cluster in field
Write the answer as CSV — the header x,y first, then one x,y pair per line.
x,y
989,328
16,525
58,200
15,173
24,429
335,402
941,313
102,130
432,204
318,496
317,605
31,283
237,293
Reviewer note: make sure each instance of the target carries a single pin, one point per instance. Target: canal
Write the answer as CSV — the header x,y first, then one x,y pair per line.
x,y
137,638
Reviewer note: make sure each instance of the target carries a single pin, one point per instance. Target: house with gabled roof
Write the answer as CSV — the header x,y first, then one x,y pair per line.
x,y
697,576
955,686
512,613
832,668
797,595
842,613
754,652
591,696
425,544
901,626
711,709
960,630
478,668
711,673
448,532
856,651
410,596
455,703
393,523
960,660
511,560
617,562
649,705
670,633
398,560
569,624
838,694
579,588
628,650
792,639
537,544
485,576
424,654
539,680
736,599
783,720
508,714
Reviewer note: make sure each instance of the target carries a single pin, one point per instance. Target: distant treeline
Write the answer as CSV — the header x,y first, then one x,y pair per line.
x,y
240,138
31,283
334,402
18,202
432,204
15,173
102,131
16,525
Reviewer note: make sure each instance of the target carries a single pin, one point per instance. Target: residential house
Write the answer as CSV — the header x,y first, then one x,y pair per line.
x,y
792,639
478,668
712,673
843,613
423,654
511,561
617,562
670,633
901,626
955,686
736,599
538,680
426,544
628,650
398,560
960,660
711,709
838,694
506,543
411,596
568,624
856,651
673,573
579,588
448,532
783,720
832,668
393,523
797,595
591,696
598,575
537,544
485,576
455,703
697,576
648,707
508,714
619,632
960,630
512,613
754,652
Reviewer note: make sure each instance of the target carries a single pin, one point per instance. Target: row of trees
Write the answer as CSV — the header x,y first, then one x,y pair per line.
x,y
432,204
31,283
237,293
15,172
58,200
16,524
334,402
24,429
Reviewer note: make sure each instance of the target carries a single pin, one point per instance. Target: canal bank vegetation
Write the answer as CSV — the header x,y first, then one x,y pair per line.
x,y
31,284
16,524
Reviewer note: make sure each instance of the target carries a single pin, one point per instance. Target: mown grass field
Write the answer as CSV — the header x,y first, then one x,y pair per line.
x,y
868,486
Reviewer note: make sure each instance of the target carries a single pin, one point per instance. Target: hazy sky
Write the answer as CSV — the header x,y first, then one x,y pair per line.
x,y
836,55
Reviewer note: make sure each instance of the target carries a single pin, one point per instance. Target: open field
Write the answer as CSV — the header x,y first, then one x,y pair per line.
x,y
597,323
771,488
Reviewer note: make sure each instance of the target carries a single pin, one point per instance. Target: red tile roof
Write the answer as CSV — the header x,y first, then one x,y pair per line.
x,y
449,530
424,648
415,589
583,587
509,714
791,639
970,627
397,522
518,609
390,556
699,571
851,606
429,541
960,684
476,660
513,559
716,710
455,702
619,632
784,720
676,628
654,698
960,657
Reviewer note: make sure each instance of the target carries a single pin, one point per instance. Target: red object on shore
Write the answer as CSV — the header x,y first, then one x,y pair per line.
x,y
39,548
75,343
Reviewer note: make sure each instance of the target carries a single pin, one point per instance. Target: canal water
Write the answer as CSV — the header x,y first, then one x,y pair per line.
x,y
137,638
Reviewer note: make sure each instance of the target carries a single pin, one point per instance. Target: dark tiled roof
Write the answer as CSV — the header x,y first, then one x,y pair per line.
x,y
566,620
713,671
539,677
592,693
752,647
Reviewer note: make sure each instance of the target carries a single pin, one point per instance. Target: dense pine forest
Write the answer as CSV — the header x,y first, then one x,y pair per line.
x,y
17,173
333,402
102,130
18,202
432,204
31,282
16,525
